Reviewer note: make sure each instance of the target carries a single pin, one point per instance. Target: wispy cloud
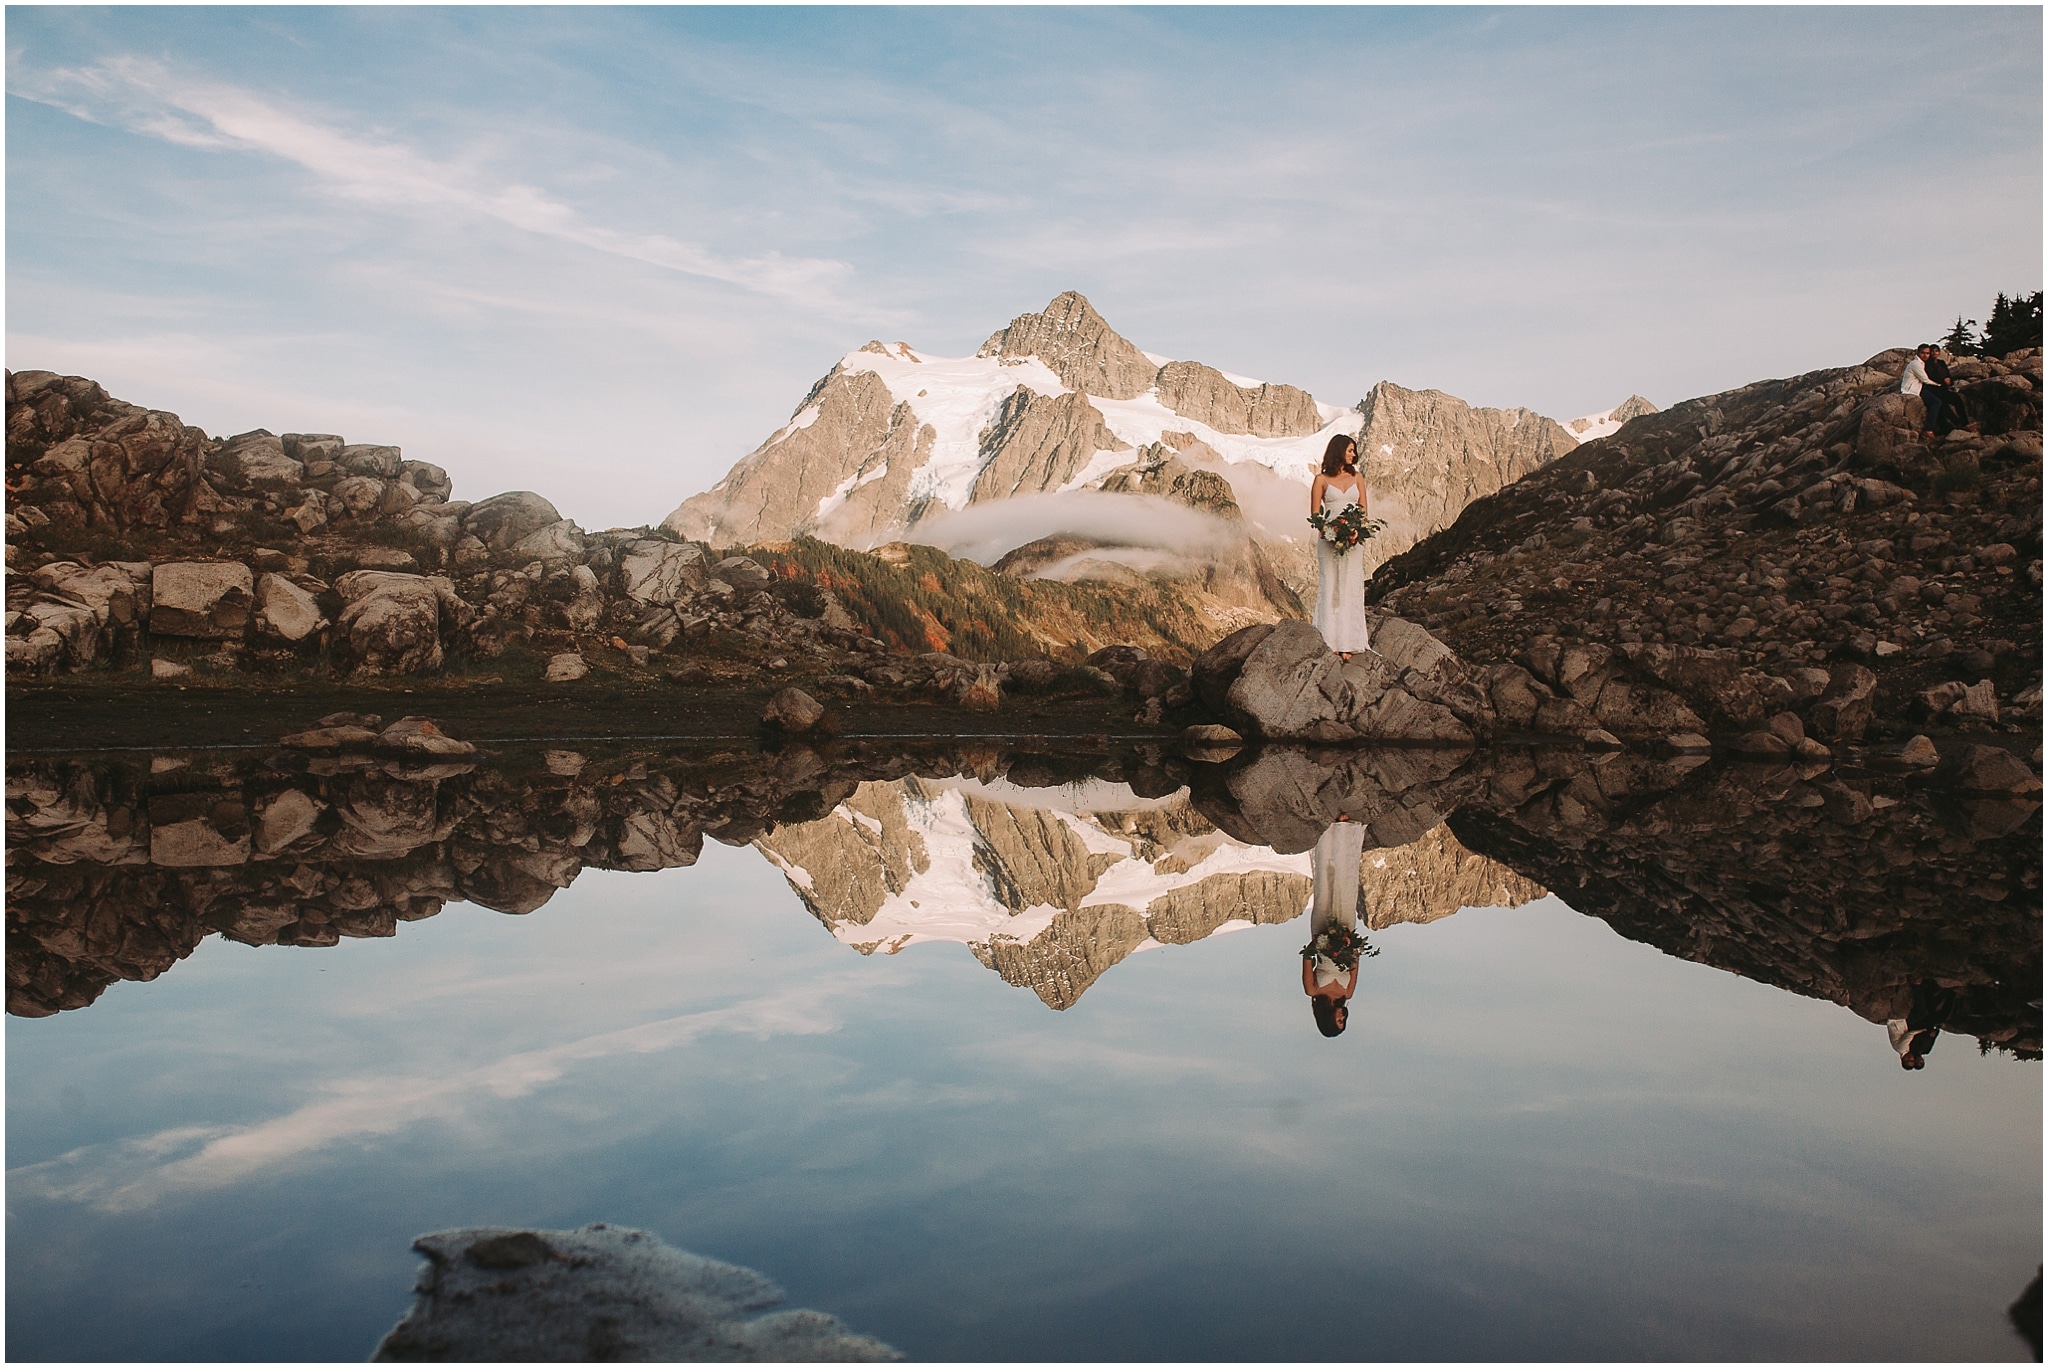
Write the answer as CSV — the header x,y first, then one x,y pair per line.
x,y
137,1173
149,97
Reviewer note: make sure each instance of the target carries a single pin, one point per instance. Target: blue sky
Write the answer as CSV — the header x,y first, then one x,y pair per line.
x,y
602,253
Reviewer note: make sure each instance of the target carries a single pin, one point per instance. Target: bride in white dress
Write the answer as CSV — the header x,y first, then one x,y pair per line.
x,y
1340,575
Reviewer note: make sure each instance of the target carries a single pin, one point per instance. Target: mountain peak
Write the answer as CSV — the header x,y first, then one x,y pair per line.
x,y
1077,344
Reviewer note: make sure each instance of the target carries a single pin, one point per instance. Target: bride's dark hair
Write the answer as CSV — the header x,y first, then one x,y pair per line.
x,y
1333,454
1326,1010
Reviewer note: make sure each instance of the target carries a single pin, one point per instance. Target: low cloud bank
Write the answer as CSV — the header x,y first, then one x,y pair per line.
x,y
985,533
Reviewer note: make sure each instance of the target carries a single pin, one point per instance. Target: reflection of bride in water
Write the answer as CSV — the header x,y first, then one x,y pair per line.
x,y
1329,962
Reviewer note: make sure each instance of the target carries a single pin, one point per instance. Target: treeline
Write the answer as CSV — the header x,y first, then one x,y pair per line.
x,y
917,598
2014,325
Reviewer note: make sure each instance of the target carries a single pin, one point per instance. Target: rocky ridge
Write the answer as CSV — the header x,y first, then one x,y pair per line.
x,y
1787,559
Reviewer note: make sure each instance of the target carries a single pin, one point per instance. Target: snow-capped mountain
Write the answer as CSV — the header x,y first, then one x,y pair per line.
x,y
1051,887
1056,414
1594,426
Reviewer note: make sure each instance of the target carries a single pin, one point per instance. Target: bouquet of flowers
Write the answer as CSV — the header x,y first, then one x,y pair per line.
x,y
1343,946
1346,527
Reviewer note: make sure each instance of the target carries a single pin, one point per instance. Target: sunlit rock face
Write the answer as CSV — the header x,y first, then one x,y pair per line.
x,y
1051,888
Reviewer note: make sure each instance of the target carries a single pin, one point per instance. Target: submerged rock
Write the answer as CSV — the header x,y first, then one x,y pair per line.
x,y
602,1293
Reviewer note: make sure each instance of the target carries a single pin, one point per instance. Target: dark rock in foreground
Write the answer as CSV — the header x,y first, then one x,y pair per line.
x,y
602,1293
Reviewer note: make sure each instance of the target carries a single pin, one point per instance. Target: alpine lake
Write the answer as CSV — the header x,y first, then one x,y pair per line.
x,y
1002,1048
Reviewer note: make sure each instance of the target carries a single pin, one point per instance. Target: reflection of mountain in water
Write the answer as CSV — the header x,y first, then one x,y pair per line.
x,y
1830,883
1050,887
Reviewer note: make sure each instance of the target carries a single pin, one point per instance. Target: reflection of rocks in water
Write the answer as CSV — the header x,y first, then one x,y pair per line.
x,y
602,1294
118,868
1837,886
1843,889
1051,888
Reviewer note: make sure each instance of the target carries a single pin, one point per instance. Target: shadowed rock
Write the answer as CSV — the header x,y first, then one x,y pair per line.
x,y
602,1293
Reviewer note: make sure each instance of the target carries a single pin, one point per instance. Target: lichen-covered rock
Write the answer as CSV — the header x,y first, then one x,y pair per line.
x,y
654,571
553,544
286,611
605,1293
256,460
503,520
566,667
420,739
211,600
794,711
394,623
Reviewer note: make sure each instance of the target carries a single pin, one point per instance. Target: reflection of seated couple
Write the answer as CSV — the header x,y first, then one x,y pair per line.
x,y
1329,962
1913,1035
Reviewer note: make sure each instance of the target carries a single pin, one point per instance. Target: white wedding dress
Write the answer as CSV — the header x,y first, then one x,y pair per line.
x,y
1340,584
1334,869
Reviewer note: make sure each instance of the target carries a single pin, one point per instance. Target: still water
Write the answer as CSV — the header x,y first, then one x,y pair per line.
x,y
995,1064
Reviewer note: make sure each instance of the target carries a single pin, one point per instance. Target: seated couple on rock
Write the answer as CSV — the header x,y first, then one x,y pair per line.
x,y
1927,376
1340,572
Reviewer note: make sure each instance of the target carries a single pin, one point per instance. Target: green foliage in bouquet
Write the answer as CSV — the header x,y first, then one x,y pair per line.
x,y
1346,527
1343,946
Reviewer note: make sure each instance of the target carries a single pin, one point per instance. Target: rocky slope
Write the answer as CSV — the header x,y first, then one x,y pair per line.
x,y
896,444
1788,550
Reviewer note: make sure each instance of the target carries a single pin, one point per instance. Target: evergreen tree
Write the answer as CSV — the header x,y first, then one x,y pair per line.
x,y
1960,340
2014,324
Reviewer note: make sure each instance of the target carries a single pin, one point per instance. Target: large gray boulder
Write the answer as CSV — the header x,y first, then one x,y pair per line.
x,y
393,623
286,611
501,521
602,1293
560,541
655,571
1291,687
206,599
256,460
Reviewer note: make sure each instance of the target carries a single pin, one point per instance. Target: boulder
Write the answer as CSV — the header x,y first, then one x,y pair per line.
x,y
308,447
1032,675
1918,753
356,496
256,460
161,669
1217,668
568,666
1845,709
1291,686
602,1292
331,739
655,571
1989,770
430,480
393,622
1154,678
364,458
207,599
501,521
743,573
1978,703
1687,743
198,831
980,691
418,738
793,711
286,611
1939,699
559,541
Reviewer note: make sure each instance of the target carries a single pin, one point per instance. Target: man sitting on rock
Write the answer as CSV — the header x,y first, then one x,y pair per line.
x,y
1946,410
